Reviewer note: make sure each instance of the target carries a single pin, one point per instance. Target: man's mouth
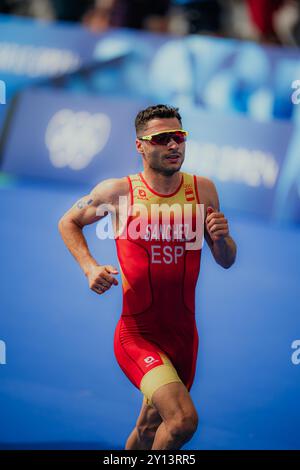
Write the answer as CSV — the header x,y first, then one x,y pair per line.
x,y
174,156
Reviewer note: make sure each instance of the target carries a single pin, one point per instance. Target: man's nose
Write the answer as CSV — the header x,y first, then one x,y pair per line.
x,y
172,143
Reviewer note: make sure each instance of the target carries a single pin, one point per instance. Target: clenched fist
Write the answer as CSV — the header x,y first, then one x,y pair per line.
x,y
216,224
101,279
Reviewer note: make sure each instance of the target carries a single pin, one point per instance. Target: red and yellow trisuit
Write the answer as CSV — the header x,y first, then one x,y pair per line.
x,y
156,339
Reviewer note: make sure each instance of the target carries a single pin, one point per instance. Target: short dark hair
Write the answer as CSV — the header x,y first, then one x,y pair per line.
x,y
154,112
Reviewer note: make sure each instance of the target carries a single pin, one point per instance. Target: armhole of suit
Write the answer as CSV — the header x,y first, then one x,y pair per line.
x,y
131,190
196,189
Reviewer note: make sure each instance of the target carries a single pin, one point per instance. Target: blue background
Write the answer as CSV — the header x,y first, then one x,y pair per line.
x,y
61,386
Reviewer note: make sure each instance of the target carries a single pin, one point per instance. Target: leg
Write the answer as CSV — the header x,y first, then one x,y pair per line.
x,y
180,420
150,370
143,434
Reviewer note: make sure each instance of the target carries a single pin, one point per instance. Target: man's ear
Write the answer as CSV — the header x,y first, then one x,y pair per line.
x,y
139,146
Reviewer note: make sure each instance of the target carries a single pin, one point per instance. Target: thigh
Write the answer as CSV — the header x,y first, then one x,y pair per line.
x,y
144,363
162,374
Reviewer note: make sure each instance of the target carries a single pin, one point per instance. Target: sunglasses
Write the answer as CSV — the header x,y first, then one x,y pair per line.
x,y
163,138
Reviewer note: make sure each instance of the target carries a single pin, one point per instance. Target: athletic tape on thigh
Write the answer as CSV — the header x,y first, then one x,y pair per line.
x,y
155,378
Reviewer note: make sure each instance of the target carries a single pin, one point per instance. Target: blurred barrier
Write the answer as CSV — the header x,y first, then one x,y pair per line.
x,y
31,51
245,159
96,83
217,74
74,139
55,135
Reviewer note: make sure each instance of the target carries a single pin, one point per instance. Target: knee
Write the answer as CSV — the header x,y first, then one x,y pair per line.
x,y
184,426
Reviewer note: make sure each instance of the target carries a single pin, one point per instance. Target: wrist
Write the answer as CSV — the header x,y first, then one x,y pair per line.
x,y
87,268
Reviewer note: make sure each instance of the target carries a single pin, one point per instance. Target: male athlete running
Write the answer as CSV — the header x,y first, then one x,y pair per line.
x,y
156,339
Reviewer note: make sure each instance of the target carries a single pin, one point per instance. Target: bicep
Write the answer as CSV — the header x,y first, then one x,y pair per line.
x,y
92,207
84,211
213,197
102,200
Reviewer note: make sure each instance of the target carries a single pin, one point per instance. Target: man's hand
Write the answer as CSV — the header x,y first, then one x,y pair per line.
x,y
216,225
100,278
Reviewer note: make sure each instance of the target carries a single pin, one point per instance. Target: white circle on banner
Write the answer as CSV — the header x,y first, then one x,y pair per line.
x,y
75,138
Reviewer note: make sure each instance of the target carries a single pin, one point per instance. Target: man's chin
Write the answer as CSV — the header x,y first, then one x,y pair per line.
x,y
168,170
173,168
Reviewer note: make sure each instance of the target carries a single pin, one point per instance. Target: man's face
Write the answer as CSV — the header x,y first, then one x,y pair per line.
x,y
165,159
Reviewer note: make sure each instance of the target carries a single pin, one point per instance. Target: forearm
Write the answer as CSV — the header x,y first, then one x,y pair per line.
x,y
224,251
76,243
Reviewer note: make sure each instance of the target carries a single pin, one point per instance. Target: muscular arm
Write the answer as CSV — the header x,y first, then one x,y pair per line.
x,y
84,212
216,230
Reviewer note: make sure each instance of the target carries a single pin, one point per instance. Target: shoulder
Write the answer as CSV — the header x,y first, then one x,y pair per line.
x,y
205,183
111,188
207,191
115,186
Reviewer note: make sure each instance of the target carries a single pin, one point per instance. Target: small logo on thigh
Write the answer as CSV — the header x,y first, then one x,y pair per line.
x,y
149,360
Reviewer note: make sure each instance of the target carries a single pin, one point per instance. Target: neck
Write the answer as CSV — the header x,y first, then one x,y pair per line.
x,y
161,183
